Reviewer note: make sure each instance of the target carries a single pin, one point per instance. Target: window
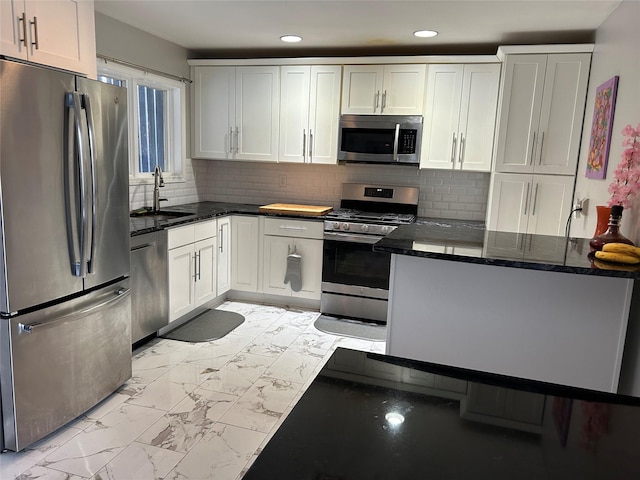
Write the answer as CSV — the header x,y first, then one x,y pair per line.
x,y
156,121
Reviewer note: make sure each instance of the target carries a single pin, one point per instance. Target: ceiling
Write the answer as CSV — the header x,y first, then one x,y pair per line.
x,y
232,28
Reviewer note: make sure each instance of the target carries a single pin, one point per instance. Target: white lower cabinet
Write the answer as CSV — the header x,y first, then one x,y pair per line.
x,y
245,249
191,267
524,203
282,238
224,255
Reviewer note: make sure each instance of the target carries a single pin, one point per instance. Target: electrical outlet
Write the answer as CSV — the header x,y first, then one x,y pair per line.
x,y
580,207
282,179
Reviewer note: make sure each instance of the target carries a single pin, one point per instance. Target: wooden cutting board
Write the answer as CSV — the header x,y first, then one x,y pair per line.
x,y
292,209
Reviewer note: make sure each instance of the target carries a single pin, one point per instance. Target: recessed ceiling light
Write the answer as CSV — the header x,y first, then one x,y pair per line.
x,y
291,38
425,33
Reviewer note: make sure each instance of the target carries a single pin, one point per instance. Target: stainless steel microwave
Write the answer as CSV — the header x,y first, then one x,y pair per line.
x,y
390,139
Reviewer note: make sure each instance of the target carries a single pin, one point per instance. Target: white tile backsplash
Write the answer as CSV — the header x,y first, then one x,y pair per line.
x,y
443,193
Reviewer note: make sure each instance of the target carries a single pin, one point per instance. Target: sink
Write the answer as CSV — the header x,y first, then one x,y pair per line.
x,y
160,215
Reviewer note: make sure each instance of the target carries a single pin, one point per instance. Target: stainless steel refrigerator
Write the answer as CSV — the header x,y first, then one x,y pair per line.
x,y
65,307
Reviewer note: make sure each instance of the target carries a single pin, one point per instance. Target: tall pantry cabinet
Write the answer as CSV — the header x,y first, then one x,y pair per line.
x,y
540,122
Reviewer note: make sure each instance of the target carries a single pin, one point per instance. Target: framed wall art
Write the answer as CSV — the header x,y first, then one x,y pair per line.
x,y
600,142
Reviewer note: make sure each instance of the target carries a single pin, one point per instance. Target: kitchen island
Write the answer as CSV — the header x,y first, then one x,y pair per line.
x,y
369,416
528,306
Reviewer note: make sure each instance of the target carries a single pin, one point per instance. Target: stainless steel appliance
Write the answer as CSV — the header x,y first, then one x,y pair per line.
x,y
65,307
389,139
355,279
149,313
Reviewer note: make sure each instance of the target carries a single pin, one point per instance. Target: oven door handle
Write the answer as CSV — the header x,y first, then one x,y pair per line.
x,y
351,237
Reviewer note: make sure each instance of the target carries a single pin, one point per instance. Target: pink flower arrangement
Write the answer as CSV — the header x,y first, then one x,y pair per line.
x,y
626,183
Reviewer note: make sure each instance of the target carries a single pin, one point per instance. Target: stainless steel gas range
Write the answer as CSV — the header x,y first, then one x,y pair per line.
x,y
355,279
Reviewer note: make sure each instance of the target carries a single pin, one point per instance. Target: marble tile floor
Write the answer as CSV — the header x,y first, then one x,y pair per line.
x,y
191,410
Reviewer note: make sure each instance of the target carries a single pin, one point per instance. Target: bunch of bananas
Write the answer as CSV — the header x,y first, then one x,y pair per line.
x,y
619,253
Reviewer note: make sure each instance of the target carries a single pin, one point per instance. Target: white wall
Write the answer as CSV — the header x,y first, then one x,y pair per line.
x,y
118,40
617,52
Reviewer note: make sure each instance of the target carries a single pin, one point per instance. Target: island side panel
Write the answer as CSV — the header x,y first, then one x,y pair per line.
x,y
549,326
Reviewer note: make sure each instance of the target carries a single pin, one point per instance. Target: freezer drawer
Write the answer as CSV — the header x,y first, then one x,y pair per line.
x,y
58,362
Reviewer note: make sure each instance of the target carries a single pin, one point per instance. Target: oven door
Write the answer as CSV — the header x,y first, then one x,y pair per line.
x,y
351,267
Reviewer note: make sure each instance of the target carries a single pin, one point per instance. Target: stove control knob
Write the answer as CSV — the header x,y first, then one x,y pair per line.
x,y
364,228
336,225
345,226
384,230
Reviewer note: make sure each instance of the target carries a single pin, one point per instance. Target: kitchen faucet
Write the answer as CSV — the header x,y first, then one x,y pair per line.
x,y
158,182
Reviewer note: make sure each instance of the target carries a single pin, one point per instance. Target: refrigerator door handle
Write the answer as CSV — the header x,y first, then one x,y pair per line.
x,y
76,185
117,295
92,198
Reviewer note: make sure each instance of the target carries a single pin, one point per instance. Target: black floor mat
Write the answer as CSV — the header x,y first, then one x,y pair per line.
x,y
209,325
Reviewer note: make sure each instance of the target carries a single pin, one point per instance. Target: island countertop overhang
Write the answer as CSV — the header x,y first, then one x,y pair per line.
x,y
471,242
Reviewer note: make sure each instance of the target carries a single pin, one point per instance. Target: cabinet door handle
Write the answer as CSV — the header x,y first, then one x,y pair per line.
x,y
376,100
541,147
221,239
310,146
230,140
384,101
35,32
237,141
22,20
462,145
195,267
287,227
453,148
199,265
526,199
533,148
535,200
304,145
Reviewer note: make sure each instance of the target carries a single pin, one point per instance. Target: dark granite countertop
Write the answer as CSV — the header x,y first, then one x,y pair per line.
x,y
200,211
368,417
470,242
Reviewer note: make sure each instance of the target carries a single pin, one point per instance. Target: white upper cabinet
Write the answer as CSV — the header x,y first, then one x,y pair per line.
x,y
525,203
383,89
257,113
309,113
214,112
58,33
236,112
460,112
541,113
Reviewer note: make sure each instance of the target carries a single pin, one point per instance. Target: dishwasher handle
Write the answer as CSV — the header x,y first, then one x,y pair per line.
x,y
142,247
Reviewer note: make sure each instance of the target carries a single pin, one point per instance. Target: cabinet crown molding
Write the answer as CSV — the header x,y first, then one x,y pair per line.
x,y
533,49
422,59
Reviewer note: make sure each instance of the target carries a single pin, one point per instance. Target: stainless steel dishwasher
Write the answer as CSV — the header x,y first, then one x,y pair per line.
x,y
149,284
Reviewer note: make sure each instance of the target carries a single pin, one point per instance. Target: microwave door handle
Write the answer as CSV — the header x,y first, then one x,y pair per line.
x,y
396,138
